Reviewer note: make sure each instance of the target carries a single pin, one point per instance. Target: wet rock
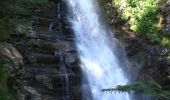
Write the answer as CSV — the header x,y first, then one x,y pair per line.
x,y
71,58
149,61
41,20
166,7
65,46
20,95
47,45
167,25
41,58
51,64
77,92
34,95
165,10
30,32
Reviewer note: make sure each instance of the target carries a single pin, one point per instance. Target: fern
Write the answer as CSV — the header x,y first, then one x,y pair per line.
x,y
149,87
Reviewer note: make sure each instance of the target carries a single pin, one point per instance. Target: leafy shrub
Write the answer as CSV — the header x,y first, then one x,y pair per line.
x,y
143,17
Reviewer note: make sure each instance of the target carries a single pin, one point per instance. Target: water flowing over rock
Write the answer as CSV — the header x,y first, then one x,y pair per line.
x,y
99,61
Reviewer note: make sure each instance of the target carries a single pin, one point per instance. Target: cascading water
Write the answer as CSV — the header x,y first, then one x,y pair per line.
x,y
98,59
63,71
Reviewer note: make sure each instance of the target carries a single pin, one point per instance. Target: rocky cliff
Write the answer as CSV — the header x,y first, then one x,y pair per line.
x,y
51,66
45,58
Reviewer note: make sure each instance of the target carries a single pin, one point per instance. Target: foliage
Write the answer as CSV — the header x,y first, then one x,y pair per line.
x,y
149,87
7,89
142,16
4,93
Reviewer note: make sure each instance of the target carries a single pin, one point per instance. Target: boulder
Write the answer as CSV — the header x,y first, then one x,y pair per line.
x,y
11,54
15,67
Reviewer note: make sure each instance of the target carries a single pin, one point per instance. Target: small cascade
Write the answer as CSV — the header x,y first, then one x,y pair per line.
x,y
64,72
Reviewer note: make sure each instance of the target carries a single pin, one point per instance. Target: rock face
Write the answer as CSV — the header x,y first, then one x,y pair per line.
x,y
151,61
8,52
14,65
52,69
165,9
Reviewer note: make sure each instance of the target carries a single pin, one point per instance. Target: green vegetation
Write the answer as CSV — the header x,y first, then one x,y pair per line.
x,y
142,16
149,87
145,19
4,93
8,85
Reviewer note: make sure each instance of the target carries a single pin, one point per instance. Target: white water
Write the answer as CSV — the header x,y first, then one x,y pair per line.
x,y
98,60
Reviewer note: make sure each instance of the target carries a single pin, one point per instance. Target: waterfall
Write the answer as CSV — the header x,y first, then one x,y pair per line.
x,y
99,62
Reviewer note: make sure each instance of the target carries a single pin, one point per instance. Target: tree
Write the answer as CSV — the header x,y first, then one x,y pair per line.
x,y
149,87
